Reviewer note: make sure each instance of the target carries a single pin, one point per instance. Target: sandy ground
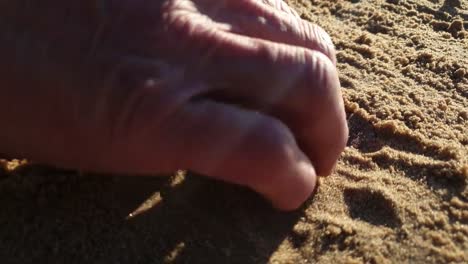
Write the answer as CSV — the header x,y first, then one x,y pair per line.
x,y
399,193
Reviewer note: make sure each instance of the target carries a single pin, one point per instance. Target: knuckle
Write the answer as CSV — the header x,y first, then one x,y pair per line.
x,y
321,78
186,28
326,42
177,16
281,6
321,40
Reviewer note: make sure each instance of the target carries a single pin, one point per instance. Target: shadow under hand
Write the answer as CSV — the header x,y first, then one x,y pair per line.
x,y
60,217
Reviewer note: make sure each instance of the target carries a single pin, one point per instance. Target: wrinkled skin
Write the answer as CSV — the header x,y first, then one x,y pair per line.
x,y
243,91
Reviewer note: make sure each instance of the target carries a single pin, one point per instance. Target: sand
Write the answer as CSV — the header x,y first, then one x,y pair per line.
x,y
399,193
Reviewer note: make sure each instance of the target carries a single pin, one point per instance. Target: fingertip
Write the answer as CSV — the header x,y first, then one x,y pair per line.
x,y
297,190
326,170
326,166
326,158
325,43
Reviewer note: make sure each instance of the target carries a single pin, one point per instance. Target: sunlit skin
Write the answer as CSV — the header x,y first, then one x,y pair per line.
x,y
242,91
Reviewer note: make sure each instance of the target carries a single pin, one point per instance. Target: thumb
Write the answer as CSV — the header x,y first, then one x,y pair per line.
x,y
218,140
242,147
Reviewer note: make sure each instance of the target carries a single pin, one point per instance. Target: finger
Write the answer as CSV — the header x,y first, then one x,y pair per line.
x,y
246,148
260,20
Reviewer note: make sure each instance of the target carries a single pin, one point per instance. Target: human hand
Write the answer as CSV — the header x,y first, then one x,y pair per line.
x,y
243,91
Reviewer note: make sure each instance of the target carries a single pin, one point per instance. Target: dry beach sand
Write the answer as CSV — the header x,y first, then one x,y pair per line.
x,y
399,193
